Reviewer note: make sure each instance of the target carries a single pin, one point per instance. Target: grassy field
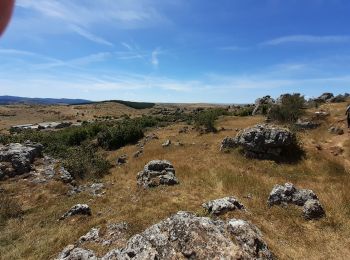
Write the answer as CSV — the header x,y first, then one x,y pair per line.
x,y
204,173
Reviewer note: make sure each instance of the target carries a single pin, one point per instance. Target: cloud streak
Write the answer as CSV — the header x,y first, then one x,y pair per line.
x,y
88,35
307,39
68,16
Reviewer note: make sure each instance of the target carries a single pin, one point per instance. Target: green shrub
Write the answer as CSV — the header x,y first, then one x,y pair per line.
x,y
208,117
85,162
245,111
120,135
290,108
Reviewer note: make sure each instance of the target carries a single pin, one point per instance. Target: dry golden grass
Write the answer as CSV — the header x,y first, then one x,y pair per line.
x,y
204,174
29,114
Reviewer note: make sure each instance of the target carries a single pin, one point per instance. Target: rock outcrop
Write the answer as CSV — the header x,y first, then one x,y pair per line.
x,y
262,141
157,172
17,158
288,194
78,209
261,104
325,97
223,205
186,236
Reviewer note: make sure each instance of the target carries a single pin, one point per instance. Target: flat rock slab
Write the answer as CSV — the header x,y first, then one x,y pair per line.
x,y
223,205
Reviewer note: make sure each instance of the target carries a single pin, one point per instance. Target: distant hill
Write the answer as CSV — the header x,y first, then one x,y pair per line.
x,y
8,100
132,104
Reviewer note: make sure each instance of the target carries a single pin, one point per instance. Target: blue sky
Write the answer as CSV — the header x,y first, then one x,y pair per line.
x,y
224,51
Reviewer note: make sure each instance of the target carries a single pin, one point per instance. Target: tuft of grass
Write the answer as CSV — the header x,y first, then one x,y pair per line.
x,y
9,208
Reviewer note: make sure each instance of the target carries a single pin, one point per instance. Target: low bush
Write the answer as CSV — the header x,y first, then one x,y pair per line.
x,y
244,111
208,117
288,110
85,162
120,135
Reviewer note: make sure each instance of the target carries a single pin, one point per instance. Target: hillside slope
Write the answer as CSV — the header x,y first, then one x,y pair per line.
x,y
204,173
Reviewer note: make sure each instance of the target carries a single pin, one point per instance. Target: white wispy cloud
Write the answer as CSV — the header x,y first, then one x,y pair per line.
x,y
65,16
90,36
308,39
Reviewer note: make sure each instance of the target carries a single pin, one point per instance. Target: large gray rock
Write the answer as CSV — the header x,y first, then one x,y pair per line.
x,y
157,172
313,210
186,236
262,141
261,103
20,157
288,194
325,97
223,205
78,209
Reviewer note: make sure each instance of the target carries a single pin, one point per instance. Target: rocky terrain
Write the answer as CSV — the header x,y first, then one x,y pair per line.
x,y
251,188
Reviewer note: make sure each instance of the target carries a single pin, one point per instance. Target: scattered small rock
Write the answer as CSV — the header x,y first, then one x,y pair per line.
x,y
122,159
166,143
336,130
157,172
307,124
78,209
221,206
138,153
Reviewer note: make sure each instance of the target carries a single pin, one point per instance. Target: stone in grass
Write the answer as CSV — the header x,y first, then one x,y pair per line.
x,y
78,209
313,210
157,172
223,205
